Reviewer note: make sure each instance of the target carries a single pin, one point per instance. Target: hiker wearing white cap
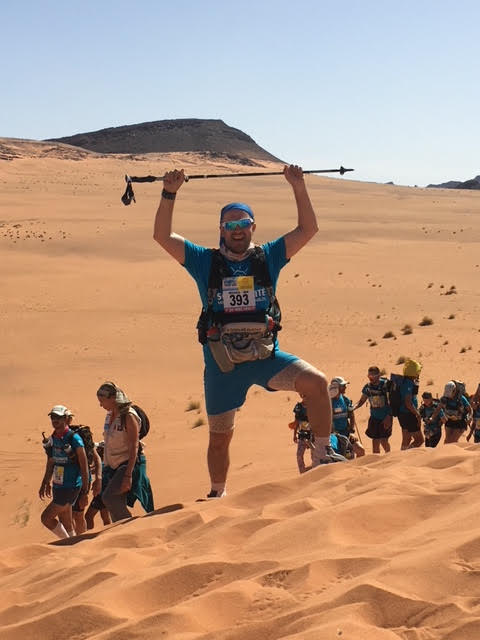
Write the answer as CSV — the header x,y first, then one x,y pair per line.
x,y
343,418
66,474
457,410
240,318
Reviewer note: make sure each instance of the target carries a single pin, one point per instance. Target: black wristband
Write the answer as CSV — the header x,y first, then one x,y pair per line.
x,y
168,195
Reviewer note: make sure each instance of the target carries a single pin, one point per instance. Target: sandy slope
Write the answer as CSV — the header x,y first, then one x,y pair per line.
x,y
379,548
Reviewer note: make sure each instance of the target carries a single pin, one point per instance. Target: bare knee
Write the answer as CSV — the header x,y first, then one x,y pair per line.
x,y
219,441
311,382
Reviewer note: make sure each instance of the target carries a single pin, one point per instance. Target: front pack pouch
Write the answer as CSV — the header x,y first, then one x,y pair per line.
x,y
240,342
247,342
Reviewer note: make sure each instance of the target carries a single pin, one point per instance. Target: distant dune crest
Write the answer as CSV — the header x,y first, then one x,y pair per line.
x,y
166,136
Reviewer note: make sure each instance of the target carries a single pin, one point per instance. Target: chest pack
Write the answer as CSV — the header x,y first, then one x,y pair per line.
x,y
395,394
242,333
378,394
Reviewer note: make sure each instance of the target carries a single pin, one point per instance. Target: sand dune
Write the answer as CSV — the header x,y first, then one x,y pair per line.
x,y
379,548
383,547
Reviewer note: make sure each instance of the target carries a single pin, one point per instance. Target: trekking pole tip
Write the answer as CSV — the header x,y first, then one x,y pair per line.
x,y
127,178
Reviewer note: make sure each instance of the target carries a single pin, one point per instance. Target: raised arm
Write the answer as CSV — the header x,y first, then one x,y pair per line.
x,y
162,230
307,222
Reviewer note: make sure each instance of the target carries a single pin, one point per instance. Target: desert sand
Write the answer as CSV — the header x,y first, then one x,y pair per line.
x,y
382,547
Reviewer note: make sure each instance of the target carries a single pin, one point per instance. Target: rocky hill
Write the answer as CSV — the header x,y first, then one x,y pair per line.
x,y
213,137
474,183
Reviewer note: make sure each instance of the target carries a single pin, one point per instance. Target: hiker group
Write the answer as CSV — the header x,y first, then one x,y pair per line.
x,y
238,329
454,413
114,470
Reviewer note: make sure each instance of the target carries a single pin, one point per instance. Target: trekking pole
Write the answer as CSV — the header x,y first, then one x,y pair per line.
x,y
128,196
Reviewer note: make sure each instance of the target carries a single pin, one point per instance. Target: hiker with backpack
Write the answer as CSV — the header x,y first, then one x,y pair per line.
x,y
404,403
302,434
96,504
240,318
475,426
305,439
94,467
432,427
379,427
343,417
124,470
66,474
457,410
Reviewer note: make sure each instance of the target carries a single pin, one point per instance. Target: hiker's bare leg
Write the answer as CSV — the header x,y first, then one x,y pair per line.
x,y
54,514
90,516
418,439
406,438
313,386
218,456
385,444
79,522
105,515
358,450
452,435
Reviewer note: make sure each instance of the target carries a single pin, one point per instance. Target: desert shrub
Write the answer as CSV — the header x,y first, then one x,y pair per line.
x,y
198,423
401,360
192,405
407,329
425,321
389,334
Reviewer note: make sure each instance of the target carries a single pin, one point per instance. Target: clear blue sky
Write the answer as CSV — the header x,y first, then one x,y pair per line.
x,y
388,87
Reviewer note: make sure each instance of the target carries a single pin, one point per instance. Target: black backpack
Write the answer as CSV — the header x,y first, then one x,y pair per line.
x,y
144,421
395,396
86,435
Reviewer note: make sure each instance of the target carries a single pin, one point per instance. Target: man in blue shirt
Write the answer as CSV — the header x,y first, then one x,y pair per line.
x,y
238,324
380,422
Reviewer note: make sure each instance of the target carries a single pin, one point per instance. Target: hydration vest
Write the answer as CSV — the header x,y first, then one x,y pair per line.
x,y
211,322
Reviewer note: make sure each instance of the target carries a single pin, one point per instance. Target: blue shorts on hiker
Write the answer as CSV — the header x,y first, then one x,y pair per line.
x,y
62,496
227,391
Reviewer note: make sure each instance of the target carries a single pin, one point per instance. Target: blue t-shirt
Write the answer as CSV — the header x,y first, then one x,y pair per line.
x,y
406,389
378,399
66,472
198,261
341,409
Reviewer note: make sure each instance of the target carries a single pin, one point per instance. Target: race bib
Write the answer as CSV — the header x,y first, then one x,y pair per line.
x,y
238,294
58,472
377,402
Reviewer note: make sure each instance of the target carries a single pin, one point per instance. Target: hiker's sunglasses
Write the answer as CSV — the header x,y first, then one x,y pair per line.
x,y
55,418
231,225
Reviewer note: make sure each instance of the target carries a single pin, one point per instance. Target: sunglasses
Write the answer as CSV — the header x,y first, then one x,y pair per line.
x,y
55,418
231,225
